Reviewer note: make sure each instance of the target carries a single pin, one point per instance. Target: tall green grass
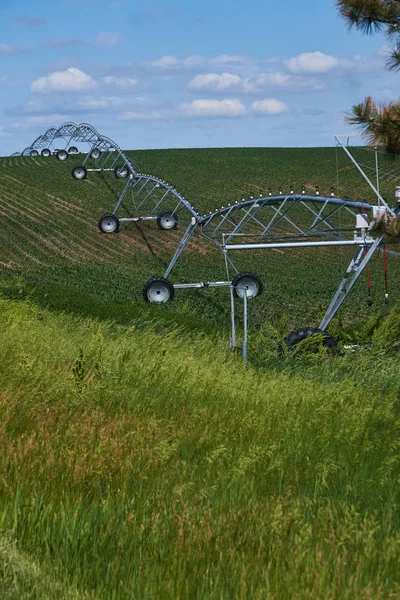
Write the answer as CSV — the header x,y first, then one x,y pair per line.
x,y
149,462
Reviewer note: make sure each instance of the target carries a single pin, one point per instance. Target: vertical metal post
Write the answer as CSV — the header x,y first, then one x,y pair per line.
x,y
233,333
377,175
245,342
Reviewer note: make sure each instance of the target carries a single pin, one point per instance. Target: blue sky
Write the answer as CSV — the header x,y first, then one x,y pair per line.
x,y
171,74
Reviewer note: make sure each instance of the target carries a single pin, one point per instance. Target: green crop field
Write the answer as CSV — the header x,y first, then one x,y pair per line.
x,y
51,238
139,457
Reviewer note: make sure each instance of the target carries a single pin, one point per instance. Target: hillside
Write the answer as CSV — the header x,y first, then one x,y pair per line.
x,y
144,462
140,458
51,239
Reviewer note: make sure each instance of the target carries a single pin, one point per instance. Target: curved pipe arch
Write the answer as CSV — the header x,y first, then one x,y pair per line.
x,y
270,200
292,217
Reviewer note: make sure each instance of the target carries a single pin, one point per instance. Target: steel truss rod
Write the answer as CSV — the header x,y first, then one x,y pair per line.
x,y
225,218
136,219
247,206
371,185
282,216
202,284
168,191
306,244
318,221
122,196
244,219
182,244
164,196
353,272
149,193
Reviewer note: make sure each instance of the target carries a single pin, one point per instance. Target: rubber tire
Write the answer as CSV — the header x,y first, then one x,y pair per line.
x,y
33,153
109,217
95,153
62,155
73,150
121,171
152,283
165,216
253,276
297,336
45,152
75,170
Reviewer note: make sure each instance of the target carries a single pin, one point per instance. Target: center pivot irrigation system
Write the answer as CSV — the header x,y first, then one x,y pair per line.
x,y
294,220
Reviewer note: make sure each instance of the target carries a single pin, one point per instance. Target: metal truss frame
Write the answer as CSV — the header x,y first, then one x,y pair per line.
x,y
290,221
268,222
66,132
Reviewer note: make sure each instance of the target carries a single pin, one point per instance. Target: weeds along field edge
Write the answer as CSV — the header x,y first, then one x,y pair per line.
x,y
136,462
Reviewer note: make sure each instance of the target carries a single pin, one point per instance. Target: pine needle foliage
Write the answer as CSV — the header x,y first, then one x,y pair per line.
x,y
374,16
378,123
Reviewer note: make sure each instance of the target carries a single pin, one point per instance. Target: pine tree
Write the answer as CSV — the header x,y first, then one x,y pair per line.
x,y
380,124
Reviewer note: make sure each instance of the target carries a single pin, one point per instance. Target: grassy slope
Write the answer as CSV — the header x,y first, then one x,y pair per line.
x,y
147,461
140,464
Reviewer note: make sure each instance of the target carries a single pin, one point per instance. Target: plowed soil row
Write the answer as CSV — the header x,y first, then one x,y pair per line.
x,y
64,240
40,244
76,229
75,238
157,239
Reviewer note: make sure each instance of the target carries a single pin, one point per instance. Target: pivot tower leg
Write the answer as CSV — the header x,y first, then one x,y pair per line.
x,y
353,272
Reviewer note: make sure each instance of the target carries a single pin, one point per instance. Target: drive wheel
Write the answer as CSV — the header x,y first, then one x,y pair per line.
x,y
158,290
73,150
108,224
45,152
33,153
321,337
167,220
249,283
62,155
95,153
79,172
121,171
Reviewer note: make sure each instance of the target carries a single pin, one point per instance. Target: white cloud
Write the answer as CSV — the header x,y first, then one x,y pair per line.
x,y
269,106
214,82
193,61
103,103
283,81
312,62
62,43
230,107
8,50
71,80
228,58
107,39
384,51
3,133
51,119
173,63
120,82
276,79
146,116
31,21
166,62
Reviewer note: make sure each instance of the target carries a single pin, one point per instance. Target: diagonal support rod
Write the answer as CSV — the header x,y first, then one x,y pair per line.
x,y
182,244
353,272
